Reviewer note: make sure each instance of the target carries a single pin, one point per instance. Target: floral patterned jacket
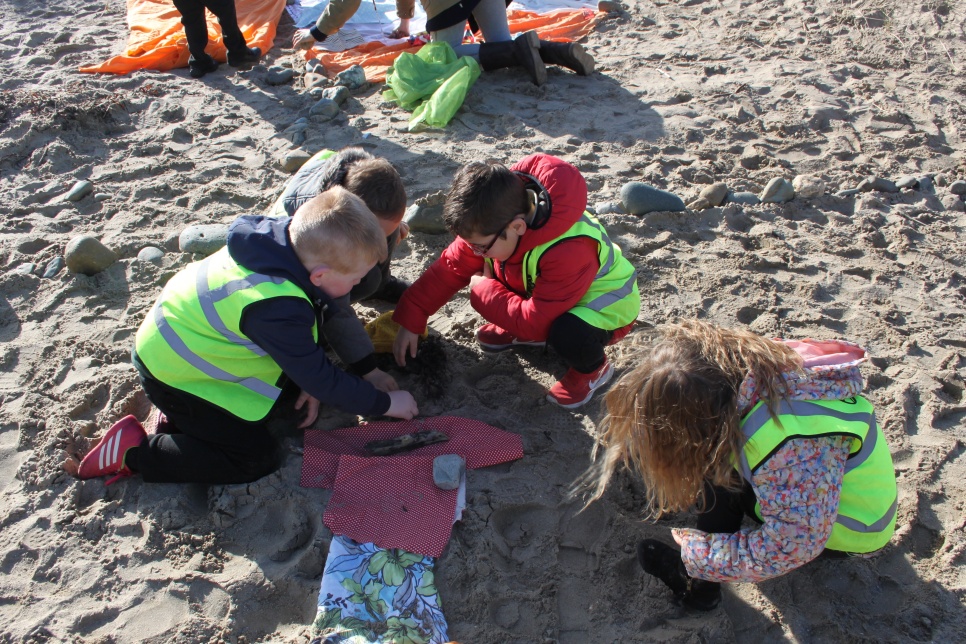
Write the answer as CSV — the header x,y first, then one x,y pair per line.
x,y
797,488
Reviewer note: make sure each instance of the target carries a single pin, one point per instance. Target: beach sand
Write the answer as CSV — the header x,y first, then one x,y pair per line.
x,y
686,94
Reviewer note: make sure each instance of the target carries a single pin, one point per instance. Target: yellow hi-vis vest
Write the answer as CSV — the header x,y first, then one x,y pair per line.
x,y
613,300
192,340
869,497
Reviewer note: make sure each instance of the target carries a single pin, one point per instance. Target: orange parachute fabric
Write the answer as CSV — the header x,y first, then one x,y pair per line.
x,y
157,39
376,57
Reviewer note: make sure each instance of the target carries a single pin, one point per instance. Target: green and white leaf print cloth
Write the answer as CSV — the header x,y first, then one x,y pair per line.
x,y
371,594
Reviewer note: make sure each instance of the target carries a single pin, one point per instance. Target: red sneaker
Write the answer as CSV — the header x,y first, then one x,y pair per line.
x,y
575,388
107,457
621,333
494,338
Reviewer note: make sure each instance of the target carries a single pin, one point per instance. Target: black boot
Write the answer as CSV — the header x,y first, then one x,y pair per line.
x,y
244,56
524,51
199,66
391,290
567,54
664,562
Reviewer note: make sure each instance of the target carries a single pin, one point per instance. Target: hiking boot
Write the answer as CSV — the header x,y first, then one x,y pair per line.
x,y
245,56
107,457
523,51
198,67
390,290
567,54
494,338
664,562
575,388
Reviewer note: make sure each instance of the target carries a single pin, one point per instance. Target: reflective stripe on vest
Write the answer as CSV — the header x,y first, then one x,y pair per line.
x,y
869,480
614,284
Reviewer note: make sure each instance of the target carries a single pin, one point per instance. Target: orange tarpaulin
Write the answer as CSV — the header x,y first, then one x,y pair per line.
x,y
157,38
376,57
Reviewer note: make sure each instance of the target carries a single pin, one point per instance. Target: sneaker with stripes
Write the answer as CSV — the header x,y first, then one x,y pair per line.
x,y
107,457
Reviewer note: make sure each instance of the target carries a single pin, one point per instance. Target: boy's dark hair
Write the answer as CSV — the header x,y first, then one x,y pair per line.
x,y
371,179
483,199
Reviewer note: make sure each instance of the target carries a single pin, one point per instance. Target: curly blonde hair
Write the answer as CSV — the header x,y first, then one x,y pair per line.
x,y
674,417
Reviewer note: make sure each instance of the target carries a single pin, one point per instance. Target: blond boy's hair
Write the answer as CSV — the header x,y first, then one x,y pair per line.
x,y
336,228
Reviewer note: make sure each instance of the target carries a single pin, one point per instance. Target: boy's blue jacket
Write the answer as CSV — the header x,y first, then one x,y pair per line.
x,y
282,326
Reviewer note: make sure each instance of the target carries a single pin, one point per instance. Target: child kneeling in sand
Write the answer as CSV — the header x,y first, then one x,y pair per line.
x,y
373,180
541,270
213,352
740,424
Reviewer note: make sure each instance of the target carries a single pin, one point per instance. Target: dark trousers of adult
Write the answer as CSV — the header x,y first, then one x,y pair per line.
x,y
208,445
196,29
579,343
376,278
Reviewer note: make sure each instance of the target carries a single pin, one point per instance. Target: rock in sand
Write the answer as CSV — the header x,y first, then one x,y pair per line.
x,y
326,108
715,193
778,190
151,254
907,181
353,78
808,186
426,215
80,190
203,239
751,158
279,75
293,160
877,184
53,267
958,187
339,94
448,471
953,203
87,255
639,199
743,197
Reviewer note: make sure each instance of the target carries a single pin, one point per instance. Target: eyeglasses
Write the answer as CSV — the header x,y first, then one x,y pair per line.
x,y
483,249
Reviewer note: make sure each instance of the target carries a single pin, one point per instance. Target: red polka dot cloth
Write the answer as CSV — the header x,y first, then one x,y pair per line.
x,y
391,501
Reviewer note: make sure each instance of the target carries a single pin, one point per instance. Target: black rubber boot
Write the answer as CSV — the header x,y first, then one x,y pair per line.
x,y
567,54
198,67
245,56
664,562
523,51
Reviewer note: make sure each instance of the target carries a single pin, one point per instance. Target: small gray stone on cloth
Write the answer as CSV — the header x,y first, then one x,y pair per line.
x,y
448,471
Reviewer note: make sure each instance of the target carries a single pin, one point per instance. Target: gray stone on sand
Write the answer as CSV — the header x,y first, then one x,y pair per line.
x,y
715,193
203,239
741,114
339,94
699,204
326,108
751,158
101,196
151,254
87,255
808,186
954,203
353,78
778,190
53,267
745,198
958,187
426,215
292,160
877,184
313,80
316,92
610,208
609,6
448,471
27,268
848,192
80,190
639,199
907,181
925,183
279,75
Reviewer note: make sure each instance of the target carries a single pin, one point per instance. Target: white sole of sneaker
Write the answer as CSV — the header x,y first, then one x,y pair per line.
x,y
594,386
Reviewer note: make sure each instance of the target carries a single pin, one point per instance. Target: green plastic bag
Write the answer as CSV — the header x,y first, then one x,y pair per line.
x,y
432,83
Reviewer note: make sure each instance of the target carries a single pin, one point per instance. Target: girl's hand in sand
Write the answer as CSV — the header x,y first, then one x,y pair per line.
x,y
311,410
381,380
403,230
403,405
406,342
402,31
303,39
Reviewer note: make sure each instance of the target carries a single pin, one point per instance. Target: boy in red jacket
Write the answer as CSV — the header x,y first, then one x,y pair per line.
x,y
541,271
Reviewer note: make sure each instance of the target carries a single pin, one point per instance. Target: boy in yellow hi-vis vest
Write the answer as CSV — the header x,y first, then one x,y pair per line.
x,y
741,424
214,352
541,270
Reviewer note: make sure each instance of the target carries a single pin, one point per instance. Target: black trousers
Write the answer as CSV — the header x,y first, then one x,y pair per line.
x,y
196,30
579,343
209,445
379,275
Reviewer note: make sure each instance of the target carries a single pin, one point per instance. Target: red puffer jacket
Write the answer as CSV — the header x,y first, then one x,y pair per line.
x,y
566,270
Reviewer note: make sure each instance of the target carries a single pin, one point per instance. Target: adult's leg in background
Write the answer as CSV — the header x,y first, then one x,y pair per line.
x,y
195,28
227,16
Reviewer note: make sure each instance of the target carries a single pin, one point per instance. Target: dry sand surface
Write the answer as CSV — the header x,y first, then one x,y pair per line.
x,y
686,94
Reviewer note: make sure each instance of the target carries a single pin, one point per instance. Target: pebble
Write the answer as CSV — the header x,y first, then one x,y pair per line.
x,y
448,471
101,196
279,75
907,181
608,6
958,187
751,158
80,190
315,65
326,108
925,184
610,208
353,78
699,204
639,198
316,92
339,94
715,193
53,267
151,254
293,160
954,204
746,198
27,268
877,184
808,186
742,115
204,239
87,255
778,190
849,192
940,180
426,215
312,80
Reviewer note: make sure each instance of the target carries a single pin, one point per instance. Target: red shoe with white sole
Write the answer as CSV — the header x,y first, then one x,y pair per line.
x,y
107,457
575,388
